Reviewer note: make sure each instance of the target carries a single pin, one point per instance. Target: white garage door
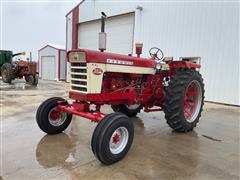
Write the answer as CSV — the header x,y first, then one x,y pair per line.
x,y
119,31
48,67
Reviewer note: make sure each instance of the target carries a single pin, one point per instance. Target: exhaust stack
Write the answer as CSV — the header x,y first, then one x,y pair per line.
x,y
102,41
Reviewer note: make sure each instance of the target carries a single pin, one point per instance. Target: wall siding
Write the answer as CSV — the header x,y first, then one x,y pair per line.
x,y
206,29
62,65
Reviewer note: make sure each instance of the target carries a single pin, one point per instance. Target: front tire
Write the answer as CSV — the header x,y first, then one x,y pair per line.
x,y
7,73
112,138
49,119
130,111
184,98
32,80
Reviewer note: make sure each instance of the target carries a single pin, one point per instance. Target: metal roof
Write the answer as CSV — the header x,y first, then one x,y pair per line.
x,y
55,46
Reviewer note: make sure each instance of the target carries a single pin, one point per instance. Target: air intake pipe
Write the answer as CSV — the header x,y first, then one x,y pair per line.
x,y
17,54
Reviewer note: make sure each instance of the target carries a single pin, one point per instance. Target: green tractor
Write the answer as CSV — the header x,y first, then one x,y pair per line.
x,y
19,69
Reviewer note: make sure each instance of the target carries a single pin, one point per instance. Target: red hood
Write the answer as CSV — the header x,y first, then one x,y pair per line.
x,y
103,57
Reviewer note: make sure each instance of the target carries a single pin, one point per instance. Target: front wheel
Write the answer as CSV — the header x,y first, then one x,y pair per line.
x,y
31,79
183,101
112,138
49,119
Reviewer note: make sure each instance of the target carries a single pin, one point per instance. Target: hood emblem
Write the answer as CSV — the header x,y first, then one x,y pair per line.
x,y
97,71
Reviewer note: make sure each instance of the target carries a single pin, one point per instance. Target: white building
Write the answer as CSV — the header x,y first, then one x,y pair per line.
x,y
52,62
206,29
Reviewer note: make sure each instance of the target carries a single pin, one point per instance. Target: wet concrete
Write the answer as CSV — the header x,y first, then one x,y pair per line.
x,y
211,151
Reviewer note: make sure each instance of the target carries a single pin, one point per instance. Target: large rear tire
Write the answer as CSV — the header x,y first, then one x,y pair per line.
x,y
49,119
7,73
130,111
112,138
184,100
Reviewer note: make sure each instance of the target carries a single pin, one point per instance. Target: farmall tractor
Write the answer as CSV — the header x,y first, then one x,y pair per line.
x,y
17,69
129,84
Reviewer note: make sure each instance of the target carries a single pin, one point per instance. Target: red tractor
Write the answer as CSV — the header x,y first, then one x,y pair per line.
x,y
10,69
129,84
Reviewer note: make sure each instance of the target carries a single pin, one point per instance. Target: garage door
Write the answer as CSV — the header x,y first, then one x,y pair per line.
x,y
119,31
48,67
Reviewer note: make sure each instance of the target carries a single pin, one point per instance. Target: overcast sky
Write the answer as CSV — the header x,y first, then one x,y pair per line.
x,y
28,26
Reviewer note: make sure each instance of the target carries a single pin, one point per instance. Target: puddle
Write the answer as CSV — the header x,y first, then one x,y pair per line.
x,y
16,86
9,103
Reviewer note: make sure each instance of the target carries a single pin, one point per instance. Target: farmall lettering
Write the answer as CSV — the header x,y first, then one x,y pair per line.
x,y
130,84
115,61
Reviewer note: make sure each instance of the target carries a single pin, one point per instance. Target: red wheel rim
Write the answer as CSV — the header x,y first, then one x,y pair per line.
x,y
54,115
192,101
56,118
116,138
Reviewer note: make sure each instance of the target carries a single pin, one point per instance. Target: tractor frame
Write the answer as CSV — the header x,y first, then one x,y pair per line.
x,y
150,96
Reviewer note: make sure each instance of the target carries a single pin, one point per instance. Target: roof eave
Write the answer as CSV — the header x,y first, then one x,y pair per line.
x,y
74,7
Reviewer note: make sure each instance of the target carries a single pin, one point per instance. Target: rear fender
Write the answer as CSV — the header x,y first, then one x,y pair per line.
x,y
183,64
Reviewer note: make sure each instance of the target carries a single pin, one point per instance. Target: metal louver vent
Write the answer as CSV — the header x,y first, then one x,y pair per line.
x,y
78,71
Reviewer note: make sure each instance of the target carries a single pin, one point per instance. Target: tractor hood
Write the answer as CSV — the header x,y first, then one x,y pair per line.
x,y
92,56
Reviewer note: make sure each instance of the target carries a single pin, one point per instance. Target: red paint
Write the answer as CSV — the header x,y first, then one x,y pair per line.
x,y
59,65
139,49
183,64
104,98
101,57
125,88
54,115
97,71
76,109
77,6
66,48
39,65
116,138
190,99
152,110
75,20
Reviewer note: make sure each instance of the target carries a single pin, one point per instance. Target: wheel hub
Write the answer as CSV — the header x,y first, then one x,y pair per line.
x,y
54,115
118,140
192,101
57,118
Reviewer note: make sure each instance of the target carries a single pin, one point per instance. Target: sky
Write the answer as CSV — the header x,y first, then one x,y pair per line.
x,y
30,25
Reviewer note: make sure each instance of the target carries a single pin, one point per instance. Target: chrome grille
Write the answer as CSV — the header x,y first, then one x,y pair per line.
x,y
78,71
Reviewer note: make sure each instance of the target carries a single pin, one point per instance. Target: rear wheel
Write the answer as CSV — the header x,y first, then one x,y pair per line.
x,y
112,138
49,119
7,73
184,100
131,110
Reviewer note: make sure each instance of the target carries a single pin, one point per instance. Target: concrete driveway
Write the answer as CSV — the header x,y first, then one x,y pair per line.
x,y
211,151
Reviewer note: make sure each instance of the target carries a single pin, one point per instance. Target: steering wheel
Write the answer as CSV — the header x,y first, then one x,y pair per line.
x,y
154,51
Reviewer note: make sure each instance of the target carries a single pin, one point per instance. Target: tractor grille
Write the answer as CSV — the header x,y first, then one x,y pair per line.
x,y
78,72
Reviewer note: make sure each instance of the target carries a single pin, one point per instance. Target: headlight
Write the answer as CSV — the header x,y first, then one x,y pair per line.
x,y
77,57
